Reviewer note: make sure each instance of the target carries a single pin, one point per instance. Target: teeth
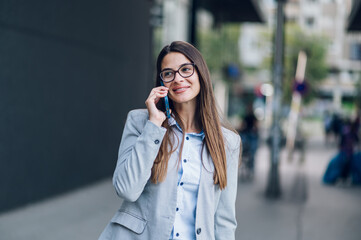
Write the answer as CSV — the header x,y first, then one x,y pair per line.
x,y
179,89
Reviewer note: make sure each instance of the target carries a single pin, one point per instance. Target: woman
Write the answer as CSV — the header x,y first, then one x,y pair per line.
x,y
177,175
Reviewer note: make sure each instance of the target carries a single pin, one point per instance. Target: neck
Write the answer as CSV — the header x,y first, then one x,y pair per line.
x,y
187,113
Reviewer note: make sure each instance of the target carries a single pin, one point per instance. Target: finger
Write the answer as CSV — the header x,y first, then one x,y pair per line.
x,y
158,96
161,88
155,97
157,90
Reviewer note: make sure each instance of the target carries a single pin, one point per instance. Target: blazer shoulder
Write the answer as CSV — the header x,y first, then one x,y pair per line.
x,y
137,119
232,139
138,115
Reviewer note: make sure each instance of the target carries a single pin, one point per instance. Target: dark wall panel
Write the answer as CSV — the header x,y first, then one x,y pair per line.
x,y
69,73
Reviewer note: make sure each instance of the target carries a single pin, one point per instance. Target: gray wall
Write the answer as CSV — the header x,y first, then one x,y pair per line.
x,y
70,70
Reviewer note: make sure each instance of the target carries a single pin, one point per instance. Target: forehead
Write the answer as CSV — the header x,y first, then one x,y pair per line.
x,y
174,60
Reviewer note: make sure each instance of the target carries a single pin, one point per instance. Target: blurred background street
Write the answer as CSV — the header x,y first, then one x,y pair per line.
x,y
286,76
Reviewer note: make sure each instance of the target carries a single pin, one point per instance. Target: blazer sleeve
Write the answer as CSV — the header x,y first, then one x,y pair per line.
x,y
225,216
138,149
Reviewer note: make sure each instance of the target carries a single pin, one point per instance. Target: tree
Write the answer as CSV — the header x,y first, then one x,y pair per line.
x,y
219,46
315,47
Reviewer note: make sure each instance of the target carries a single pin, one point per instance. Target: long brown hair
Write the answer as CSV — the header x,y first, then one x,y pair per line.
x,y
208,118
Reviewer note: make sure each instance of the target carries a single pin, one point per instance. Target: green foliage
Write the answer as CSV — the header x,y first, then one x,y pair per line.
x,y
315,47
219,46
157,42
358,92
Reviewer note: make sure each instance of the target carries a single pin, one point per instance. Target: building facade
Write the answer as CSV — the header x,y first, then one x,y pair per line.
x,y
326,17
70,72
330,18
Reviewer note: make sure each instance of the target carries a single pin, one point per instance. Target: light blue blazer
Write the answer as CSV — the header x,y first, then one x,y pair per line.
x,y
148,209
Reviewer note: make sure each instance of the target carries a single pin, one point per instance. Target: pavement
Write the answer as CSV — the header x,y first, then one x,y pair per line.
x,y
306,209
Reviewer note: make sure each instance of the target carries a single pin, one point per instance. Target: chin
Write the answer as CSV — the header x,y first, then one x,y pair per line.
x,y
182,100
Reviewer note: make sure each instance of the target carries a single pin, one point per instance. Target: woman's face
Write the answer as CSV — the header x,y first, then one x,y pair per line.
x,y
181,90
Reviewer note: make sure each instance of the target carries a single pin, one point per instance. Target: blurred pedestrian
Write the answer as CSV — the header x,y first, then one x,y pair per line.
x,y
177,175
355,128
347,142
341,166
336,126
249,133
327,122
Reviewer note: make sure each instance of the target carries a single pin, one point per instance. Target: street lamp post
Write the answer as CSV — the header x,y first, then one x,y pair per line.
x,y
273,186
193,23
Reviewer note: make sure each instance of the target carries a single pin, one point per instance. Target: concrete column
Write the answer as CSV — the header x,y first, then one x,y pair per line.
x,y
221,93
176,20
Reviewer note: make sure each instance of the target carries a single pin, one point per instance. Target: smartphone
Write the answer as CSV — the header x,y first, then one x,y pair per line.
x,y
166,103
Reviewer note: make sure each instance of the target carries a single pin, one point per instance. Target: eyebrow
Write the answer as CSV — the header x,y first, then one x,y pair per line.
x,y
178,67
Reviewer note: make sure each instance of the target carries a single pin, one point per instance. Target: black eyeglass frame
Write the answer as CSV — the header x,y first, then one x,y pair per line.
x,y
175,72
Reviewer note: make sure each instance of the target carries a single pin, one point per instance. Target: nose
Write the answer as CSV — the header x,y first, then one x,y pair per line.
x,y
178,77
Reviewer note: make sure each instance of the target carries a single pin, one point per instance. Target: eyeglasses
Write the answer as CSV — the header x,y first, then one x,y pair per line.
x,y
185,70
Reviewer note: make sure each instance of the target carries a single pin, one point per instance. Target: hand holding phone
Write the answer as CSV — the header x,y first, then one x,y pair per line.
x,y
157,113
166,103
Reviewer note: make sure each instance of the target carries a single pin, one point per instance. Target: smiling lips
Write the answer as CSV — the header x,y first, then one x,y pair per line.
x,y
180,89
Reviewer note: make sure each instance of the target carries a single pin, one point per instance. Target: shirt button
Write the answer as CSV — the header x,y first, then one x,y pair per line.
x,y
199,231
177,209
187,138
156,141
177,234
185,160
181,184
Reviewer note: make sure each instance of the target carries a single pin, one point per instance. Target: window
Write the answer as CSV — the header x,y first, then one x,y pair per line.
x,y
310,21
355,51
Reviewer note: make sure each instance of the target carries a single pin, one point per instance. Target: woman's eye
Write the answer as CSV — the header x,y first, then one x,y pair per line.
x,y
186,69
167,74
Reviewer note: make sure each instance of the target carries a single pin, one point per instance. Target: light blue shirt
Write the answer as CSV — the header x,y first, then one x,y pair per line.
x,y
148,210
189,173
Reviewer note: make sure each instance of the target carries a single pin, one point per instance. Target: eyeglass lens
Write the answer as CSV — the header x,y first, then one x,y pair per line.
x,y
185,71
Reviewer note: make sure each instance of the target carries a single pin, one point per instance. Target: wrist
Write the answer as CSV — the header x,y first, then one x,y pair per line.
x,y
156,121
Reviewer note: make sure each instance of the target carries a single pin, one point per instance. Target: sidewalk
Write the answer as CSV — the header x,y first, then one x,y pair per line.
x,y
78,215
307,209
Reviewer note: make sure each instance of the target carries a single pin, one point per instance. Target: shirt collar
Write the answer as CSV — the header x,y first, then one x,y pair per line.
x,y
172,122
